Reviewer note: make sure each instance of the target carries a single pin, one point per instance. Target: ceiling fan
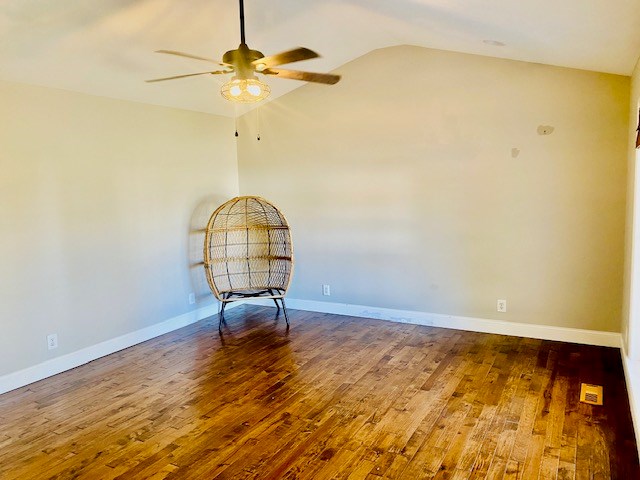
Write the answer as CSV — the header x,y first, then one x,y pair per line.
x,y
244,86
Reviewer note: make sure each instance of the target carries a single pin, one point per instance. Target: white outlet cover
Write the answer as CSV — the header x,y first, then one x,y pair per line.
x,y
52,341
326,290
192,298
502,305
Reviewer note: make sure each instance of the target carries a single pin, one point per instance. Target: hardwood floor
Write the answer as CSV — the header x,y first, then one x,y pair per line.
x,y
334,397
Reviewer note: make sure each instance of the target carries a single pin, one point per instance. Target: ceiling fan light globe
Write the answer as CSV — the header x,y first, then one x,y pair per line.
x,y
254,90
245,90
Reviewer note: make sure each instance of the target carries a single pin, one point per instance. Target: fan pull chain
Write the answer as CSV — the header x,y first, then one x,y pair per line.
x,y
235,118
258,121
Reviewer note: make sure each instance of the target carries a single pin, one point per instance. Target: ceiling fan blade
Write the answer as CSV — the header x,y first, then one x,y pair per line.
x,y
188,55
326,78
290,56
217,72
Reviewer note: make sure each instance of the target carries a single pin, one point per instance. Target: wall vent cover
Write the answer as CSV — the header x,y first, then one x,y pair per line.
x,y
591,394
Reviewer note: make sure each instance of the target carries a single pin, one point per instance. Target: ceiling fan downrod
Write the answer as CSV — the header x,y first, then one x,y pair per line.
x,y
242,22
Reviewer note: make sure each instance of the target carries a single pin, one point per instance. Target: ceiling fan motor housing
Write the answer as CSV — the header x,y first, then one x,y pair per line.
x,y
241,59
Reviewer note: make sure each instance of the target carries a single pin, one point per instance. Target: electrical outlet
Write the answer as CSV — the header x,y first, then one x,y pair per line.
x,y
192,298
326,290
502,305
52,341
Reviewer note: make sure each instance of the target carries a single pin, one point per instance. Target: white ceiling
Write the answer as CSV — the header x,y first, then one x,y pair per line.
x,y
106,47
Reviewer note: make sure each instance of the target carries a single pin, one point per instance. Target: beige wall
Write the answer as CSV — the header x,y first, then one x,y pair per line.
x,y
402,192
399,183
96,201
633,124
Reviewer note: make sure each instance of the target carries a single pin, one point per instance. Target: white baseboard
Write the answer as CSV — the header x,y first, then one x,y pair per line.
x,y
545,332
71,360
60,364
632,378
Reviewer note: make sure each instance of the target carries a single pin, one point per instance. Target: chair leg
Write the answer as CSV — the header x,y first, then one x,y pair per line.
x,y
221,316
284,308
275,300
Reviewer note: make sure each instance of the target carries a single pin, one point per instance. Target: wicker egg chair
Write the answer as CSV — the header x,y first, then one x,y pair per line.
x,y
248,253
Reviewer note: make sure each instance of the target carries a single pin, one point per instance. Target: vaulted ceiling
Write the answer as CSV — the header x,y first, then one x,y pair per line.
x,y
106,47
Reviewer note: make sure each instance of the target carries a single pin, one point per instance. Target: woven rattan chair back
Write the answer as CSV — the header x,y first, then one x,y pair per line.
x,y
248,251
